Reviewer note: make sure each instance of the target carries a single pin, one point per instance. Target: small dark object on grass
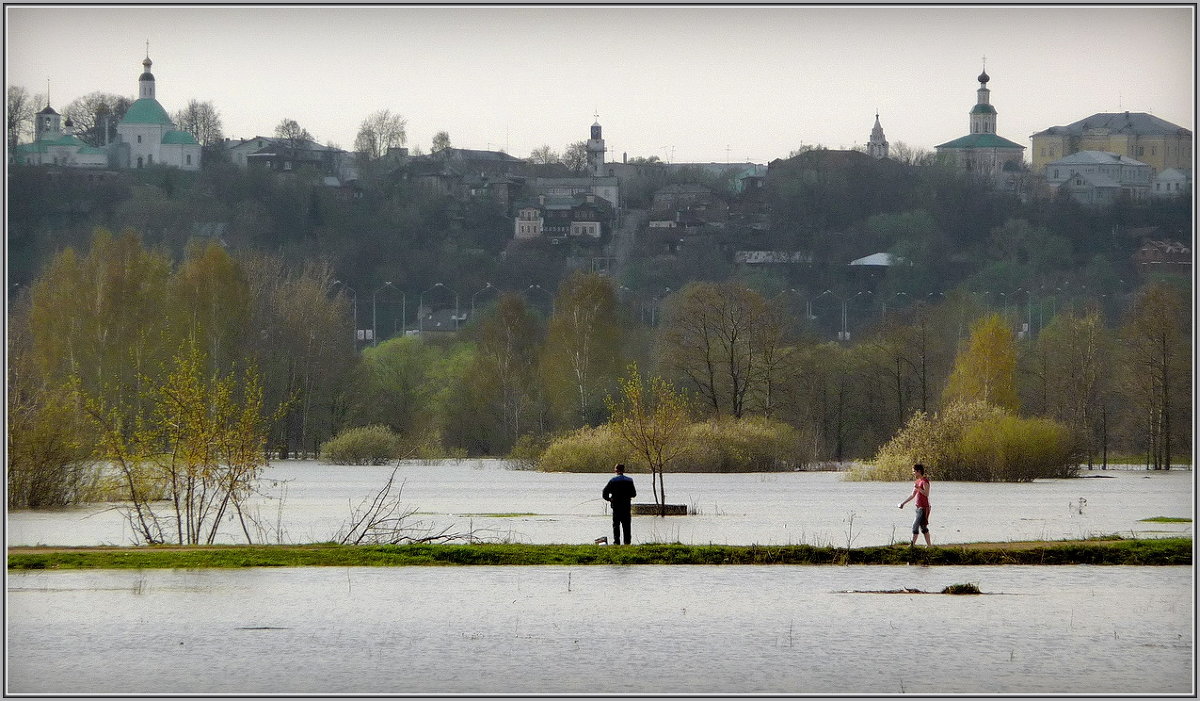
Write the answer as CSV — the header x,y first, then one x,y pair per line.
x,y
961,589
602,540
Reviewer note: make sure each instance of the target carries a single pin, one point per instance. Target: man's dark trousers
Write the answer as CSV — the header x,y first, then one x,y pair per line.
x,y
621,518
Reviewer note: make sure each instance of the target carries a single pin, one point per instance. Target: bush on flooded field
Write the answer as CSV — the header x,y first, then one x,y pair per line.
x,y
974,442
587,450
364,445
1014,449
749,444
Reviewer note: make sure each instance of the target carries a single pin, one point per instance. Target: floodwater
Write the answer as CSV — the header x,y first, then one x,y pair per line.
x,y
617,630
602,629
305,501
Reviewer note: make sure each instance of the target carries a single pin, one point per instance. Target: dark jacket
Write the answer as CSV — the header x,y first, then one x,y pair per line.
x,y
619,491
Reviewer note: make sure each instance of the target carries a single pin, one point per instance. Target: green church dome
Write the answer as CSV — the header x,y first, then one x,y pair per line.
x,y
146,111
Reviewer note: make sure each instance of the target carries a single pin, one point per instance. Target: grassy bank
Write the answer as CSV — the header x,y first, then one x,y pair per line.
x,y
1165,551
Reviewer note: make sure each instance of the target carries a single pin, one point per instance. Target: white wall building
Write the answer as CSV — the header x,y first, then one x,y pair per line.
x,y
1099,177
147,136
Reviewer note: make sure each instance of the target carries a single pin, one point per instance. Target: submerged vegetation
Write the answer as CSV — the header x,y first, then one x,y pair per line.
x,y
1165,551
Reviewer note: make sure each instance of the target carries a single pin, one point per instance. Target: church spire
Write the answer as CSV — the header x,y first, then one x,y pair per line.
x,y
877,147
983,115
146,79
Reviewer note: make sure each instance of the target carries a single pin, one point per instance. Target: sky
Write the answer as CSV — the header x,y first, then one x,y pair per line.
x,y
684,83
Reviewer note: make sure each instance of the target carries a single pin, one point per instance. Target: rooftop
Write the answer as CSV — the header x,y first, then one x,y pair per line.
x,y
1139,123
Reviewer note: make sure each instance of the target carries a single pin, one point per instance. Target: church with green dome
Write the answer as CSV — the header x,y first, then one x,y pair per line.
x,y
983,151
146,135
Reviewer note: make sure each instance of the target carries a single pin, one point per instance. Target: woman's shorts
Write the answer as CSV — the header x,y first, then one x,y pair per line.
x,y
922,522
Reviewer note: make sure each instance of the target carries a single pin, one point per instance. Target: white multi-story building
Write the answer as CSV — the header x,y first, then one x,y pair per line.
x,y
1099,177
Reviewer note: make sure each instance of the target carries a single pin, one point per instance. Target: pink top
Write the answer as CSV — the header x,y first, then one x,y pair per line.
x,y
922,496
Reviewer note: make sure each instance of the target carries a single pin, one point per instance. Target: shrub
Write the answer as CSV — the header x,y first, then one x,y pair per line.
x,y
974,441
1013,449
364,445
748,444
586,450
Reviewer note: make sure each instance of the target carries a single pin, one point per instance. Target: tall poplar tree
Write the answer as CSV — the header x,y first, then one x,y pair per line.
x,y
986,370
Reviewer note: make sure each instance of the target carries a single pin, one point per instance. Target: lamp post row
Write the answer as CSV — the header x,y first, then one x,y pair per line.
x,y
843,335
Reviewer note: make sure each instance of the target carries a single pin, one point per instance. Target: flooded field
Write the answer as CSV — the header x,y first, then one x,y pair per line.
x,y
304,501
607,630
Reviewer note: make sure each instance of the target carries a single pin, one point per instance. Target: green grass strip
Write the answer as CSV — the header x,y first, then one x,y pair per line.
x,y
1157,551
1167,519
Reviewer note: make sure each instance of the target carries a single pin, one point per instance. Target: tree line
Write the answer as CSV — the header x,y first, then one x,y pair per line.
x,y
107,327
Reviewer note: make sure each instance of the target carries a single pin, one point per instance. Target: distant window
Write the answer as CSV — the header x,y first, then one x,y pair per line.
x,y
139,138
189,159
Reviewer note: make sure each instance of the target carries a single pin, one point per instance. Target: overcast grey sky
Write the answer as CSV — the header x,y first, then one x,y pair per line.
x,y
683,83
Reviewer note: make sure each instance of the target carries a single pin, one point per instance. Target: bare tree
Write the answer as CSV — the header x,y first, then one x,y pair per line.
x,y
201,120
290,131
544,155
94,114
910,155
19,109
380,131
441,142
575,157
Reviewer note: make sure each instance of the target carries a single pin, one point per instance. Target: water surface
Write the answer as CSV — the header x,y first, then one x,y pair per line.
x,y
304,501
602,629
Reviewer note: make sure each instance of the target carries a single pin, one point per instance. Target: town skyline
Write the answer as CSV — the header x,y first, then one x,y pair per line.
x,y
685,84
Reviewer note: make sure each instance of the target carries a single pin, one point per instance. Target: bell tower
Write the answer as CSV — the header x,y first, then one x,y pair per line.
x,y
877,147
595,149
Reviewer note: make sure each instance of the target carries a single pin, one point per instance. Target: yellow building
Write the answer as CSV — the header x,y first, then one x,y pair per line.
x,y
1153,141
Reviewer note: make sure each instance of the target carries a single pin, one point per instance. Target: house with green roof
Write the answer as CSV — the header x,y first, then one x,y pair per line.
x,y
147,136
983,151
52,146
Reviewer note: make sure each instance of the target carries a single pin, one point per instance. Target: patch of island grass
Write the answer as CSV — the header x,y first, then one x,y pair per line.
x,y
1154,551
959,589
1166,519
502,515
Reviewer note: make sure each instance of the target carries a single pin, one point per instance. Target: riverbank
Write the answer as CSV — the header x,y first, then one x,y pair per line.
x,y
1152,551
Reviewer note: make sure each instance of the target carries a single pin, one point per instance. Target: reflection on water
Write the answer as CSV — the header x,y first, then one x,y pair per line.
x,y
601,629
308,502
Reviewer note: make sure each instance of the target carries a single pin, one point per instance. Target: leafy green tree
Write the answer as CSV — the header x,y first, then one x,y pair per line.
x,y
652,417
582,354
210,303
99,317
986,369
198,439
49,452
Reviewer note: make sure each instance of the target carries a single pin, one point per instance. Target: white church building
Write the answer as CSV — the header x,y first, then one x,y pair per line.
x,y
147,136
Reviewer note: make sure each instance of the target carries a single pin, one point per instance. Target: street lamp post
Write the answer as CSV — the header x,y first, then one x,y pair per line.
x,y
421,306
487,286
374,329
883,313
354,307
545,292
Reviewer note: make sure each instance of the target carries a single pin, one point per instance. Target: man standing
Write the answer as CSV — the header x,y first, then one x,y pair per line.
x,y
619,492
921,492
